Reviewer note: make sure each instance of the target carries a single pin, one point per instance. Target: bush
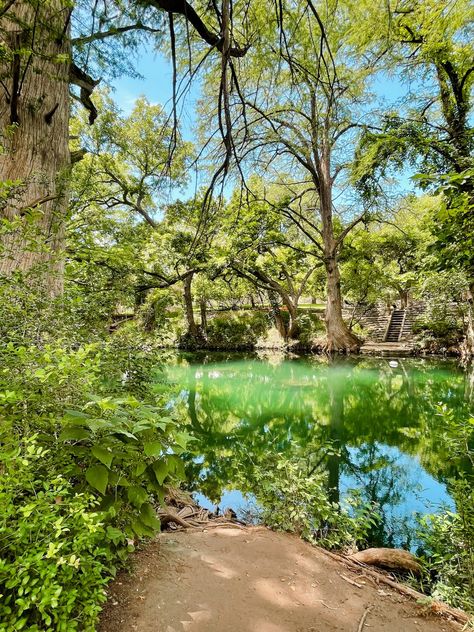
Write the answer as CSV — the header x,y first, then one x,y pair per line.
x,y
444,329
56,553
236,330
80,477
295,501
448,547
448,537
310,326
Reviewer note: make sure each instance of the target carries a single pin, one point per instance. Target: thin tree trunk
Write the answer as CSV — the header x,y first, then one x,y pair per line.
x,y
203,308
34,119
188,304
468,344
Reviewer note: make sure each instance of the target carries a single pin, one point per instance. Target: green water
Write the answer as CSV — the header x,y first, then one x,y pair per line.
x,y
368,424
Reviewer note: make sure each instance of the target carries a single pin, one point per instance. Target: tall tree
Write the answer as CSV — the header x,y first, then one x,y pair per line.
x,y
431,43
40,41
295,110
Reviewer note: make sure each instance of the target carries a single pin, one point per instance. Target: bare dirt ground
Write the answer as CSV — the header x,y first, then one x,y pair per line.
x,y
254,580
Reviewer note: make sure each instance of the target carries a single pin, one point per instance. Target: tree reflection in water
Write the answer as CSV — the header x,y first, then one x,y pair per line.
x,y
367,424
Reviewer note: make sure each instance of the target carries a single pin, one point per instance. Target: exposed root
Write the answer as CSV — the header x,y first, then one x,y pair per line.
x,y
363,618
181,512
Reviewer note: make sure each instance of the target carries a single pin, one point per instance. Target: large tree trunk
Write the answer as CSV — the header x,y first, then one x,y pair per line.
x,y
339,336
404,296
34,119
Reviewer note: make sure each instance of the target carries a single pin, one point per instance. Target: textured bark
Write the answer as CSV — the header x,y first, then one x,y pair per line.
x,y
468,344
339,337
396,559
293,326
404,298
275,307
188,304
34,119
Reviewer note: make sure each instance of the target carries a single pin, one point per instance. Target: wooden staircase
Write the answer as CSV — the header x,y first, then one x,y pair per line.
x,y
395,327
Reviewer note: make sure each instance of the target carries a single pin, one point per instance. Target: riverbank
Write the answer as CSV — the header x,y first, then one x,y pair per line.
x,y
255,580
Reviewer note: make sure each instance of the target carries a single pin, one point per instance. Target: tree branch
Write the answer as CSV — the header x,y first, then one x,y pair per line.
x,y
100,35
182,7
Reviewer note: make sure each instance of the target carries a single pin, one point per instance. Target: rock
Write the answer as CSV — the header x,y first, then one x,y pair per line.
x,y
394,559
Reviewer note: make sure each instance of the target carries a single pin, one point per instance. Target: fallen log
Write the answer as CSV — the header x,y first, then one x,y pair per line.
x,y
435,606
393,559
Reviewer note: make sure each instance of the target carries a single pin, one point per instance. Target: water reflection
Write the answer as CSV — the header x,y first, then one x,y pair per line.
x,y
369,424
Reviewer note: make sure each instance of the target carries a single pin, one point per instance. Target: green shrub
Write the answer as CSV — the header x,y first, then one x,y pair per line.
x,y
310,326
448,548
445,329
235,330
80,477
293,500
56,553
448,536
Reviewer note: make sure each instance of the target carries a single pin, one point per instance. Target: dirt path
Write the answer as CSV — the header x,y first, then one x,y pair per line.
x,y
253,580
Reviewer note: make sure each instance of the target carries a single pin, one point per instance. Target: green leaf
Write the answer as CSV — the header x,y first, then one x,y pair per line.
x,y
176,465
148,516
103,455
141,467
141,529
182,439
74,433
126,434
98,476
153,448
137,495
115,535
160,468
75,414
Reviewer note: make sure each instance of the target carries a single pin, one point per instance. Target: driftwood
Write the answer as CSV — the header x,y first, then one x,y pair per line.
x,y
181,512
435,606
394,559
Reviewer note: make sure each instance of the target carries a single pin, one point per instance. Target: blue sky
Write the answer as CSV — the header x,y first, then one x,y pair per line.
x,y
156,85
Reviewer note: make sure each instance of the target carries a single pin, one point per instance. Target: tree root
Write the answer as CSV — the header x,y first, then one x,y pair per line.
x,y
181,512
363,618
436,606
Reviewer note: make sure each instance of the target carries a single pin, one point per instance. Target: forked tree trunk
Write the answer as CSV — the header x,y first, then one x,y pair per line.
x,y
293,325
275,307
34,119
